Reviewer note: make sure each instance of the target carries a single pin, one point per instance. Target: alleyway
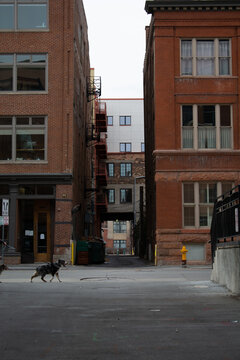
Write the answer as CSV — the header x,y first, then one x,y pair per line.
x,y
113,312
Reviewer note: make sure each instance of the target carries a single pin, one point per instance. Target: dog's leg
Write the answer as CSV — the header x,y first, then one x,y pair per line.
x,y
42,277
34,275
52,279
58,276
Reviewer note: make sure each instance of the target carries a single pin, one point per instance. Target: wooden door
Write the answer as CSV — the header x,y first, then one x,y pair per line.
x,y
42,236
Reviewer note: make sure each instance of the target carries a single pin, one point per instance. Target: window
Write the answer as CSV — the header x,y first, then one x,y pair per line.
x,y
110,169
124,120
23,138
206,57
23,72
125,196
119,227
110,120
111,196
125,147
206,127
126,169
198,202
119,244
142,147
23,15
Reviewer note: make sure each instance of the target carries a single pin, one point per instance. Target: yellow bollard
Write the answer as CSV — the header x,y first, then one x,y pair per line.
x,y
155,254
184,256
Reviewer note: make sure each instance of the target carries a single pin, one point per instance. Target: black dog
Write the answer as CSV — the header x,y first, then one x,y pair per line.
x,y
50,268
3,267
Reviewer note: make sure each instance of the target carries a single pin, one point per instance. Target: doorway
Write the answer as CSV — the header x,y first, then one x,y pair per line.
x,y
35,230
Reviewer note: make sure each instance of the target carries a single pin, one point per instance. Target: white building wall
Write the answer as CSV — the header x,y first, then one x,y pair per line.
x,y
134,133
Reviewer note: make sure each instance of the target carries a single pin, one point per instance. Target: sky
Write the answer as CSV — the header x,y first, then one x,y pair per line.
x,y
116,34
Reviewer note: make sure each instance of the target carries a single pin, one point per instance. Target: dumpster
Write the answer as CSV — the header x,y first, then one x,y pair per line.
x,y
82,252
96,251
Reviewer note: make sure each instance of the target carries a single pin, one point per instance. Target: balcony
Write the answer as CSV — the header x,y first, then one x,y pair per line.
x,y
101,174
101,116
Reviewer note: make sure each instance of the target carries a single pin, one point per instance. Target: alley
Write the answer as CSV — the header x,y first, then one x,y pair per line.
x,y
114,312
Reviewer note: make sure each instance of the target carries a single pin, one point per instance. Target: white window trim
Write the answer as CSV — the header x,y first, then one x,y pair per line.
x,y
217,127
216,57
197,202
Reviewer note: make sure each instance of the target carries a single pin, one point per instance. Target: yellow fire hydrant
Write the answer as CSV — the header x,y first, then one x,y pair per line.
x,y
184,255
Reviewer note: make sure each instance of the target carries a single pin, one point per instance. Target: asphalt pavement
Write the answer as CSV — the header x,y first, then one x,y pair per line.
x,y
123,309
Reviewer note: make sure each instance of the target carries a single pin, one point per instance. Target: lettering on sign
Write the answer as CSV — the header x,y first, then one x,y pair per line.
x,y
5,207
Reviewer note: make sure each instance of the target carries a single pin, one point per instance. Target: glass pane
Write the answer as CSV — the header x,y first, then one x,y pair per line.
x,y
122,147
128,195
224,66
188,193
5,121
226,138
23,58
6,59
224,48
205,67
38,58
206,115
30,79
187,115
122,170
122,195
110,120
212,192
22,121
203,218
38,121
225,115
129,169
205,48
26,190
128,147
206,138
189,216
6,79
30,146
186,48
6,16
203,193
128,120
122,120
5,146
42,233
32,16
187,138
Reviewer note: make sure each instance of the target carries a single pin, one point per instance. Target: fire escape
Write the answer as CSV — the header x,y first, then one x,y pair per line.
x,y
97,139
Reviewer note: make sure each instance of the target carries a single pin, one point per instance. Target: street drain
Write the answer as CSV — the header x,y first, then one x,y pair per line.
x,y
103,278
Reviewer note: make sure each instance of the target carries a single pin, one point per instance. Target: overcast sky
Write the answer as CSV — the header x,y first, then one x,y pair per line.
x,y
116,32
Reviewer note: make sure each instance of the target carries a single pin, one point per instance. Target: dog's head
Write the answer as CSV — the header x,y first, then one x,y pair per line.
x,y
62,262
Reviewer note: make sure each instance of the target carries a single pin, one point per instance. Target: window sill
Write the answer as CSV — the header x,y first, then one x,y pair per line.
x,y
26,162
45,92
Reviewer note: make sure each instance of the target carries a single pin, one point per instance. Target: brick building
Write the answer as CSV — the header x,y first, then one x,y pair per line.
x,y
191,89
44,113
125,172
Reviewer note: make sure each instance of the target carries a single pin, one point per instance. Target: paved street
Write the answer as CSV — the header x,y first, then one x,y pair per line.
x,y
124,309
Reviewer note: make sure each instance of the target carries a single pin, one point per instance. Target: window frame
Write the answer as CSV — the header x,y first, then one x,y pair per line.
x,y
197,205
110,173
111,123
195,128
125,190
15,66
119,227
125,147
15,4
216,56
14,128
125,120
108,196
123,169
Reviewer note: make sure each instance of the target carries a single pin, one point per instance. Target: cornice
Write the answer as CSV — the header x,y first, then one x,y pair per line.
x,y
191,5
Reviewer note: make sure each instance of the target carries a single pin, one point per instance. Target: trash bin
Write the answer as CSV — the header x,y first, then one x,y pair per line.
x,y
82,252
96,252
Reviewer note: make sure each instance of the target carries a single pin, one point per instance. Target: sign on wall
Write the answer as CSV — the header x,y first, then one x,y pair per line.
x,y
5,207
